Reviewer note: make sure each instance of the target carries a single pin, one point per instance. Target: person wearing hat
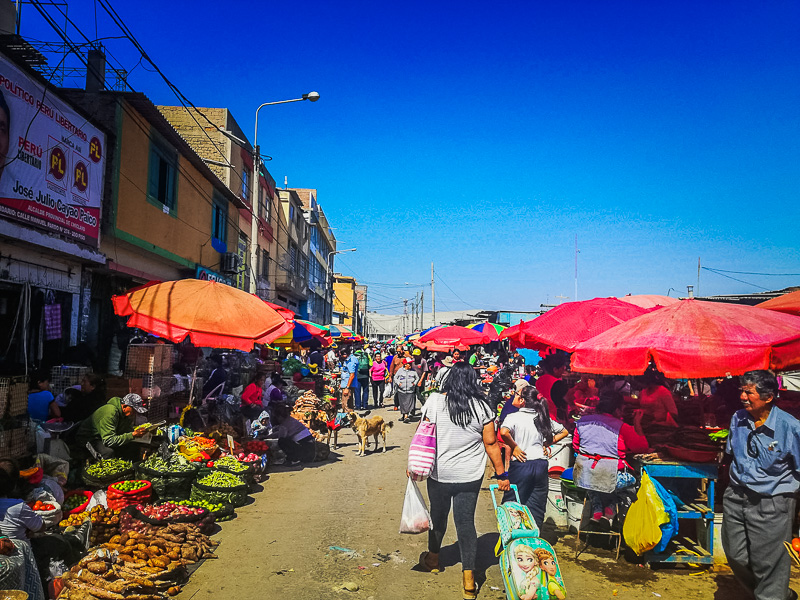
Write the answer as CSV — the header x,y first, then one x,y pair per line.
x,y
422,370
515,402
405,381
444,371
110,427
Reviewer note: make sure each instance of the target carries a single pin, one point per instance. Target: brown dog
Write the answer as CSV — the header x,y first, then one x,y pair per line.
x,y
366,428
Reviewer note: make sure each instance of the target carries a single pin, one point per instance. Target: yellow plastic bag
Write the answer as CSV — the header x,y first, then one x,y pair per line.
x,y
642,529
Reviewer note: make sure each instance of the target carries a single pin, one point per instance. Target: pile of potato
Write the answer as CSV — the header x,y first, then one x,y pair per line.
x,y
138,566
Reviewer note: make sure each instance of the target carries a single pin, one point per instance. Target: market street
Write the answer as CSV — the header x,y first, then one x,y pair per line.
x,y
312,530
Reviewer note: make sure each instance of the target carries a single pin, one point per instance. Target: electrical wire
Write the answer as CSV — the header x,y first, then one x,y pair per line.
x,y
736,279
752,273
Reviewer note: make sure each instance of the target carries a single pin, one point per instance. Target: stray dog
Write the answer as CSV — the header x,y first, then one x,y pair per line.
x,y
366,428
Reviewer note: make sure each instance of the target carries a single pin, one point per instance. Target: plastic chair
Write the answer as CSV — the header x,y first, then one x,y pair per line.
x,y
584,519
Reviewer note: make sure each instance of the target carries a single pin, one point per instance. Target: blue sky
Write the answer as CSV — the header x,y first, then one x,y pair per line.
x,y
484,138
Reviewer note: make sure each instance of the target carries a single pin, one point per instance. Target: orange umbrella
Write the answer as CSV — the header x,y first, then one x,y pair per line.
x,y
649,300
788,303
212,314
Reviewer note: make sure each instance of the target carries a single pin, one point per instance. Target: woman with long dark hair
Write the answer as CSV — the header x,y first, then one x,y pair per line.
x,y
529,433
465,434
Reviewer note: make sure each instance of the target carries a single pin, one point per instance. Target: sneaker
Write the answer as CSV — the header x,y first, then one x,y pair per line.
x,y
597,516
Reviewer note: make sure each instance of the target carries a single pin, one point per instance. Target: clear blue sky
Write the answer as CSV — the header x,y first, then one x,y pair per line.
x,y
485,136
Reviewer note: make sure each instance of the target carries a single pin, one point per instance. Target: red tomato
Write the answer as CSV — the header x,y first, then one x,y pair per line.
x,y
796,544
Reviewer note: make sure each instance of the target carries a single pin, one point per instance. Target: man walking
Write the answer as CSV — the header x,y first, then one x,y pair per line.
x,y
362,393
759,504
349,383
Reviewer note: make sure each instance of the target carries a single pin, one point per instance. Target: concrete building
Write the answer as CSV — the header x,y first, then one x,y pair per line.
x,y
321,245
345,306
291,265
217,138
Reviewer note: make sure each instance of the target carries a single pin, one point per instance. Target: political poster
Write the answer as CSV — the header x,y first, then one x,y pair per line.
x,y
52,160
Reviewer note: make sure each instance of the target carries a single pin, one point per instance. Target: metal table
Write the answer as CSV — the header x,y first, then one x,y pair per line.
x,y
682,549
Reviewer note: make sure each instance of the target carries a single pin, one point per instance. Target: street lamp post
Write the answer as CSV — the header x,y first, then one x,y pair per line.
x,y
328,282
311,97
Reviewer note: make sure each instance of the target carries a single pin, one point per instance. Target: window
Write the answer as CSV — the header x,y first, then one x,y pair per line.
x,y
162,177
219,219
243,277
292,258
263,203
291,213
303,268
265,264
246,184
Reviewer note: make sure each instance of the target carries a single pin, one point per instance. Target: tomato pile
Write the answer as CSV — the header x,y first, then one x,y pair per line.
x,y
256,447
39,505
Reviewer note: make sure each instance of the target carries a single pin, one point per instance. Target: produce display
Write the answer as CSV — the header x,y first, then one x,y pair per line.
x,y
108,467
218,510
175,464
169,511
42,506
220,479
257,447
105,523
171,478
129,486
73,501
219,486
138,565
230,464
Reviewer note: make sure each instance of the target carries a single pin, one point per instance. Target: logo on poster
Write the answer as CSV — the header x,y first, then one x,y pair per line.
x,y
81,177
58,163
95,150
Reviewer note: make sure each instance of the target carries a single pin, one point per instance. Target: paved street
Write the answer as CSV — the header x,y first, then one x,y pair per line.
x,y
311,531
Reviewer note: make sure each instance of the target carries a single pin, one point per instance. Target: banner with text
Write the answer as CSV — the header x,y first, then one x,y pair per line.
x,y
51,160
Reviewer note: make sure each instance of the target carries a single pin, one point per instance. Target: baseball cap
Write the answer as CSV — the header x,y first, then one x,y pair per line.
x,y
416,352
135,402
520,384
407,361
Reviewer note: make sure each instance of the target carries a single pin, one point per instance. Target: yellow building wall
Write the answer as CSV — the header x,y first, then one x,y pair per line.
x,y
344,298
187,234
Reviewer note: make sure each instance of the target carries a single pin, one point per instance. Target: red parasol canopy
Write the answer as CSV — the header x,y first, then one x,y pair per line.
x,y
281,310
694,338
649,300
568,324
788,303
212,314
444,339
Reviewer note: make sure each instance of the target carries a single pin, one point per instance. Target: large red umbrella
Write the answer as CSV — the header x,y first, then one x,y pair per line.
x,y
649,300
211,314
568,324
444,339
788,303
692,339
281,310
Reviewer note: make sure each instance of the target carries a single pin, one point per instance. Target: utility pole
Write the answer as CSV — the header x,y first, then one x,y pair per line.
x,y
422,310
576,267
433,298
405,315
698,276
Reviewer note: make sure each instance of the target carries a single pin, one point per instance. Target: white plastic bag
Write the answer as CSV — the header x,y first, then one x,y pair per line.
x,y
415,518
388,392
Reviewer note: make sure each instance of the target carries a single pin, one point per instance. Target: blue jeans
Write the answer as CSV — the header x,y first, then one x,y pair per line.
x,y
362,394
530,477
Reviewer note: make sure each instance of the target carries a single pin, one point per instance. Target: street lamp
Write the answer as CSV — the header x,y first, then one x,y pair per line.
x,y
311,97
328,283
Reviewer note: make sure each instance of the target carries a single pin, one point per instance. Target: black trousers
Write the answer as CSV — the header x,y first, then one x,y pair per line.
x,y
464,498
531,480
377,392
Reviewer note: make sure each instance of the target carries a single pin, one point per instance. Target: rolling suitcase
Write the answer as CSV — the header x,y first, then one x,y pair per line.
x,y
528,563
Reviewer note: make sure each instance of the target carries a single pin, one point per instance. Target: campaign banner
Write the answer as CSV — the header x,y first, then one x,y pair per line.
x,y
52,160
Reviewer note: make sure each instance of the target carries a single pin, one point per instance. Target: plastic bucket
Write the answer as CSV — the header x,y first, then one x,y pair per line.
x,y
561,454
556,511
574,504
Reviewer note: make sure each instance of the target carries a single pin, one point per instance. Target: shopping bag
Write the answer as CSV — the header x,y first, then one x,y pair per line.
x,y
422,451
642,528
415,517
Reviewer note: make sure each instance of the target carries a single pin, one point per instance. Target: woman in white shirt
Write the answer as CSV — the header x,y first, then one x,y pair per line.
x,y
465,435
529,433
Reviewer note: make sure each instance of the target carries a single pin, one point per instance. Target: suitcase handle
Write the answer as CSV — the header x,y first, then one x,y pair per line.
x,y
494,487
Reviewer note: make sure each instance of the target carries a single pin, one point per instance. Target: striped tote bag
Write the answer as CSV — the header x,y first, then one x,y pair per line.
x,y
422,452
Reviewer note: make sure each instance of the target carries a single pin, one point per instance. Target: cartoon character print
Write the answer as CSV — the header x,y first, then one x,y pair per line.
x,y
519,517
550,579
526,575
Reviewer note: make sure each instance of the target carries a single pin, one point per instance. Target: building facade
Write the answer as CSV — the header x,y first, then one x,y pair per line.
x,y
291,266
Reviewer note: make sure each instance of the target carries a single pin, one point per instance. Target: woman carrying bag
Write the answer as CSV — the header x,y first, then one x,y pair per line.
x,y
465,435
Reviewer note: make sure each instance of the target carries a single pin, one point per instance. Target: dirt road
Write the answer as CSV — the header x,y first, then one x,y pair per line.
x,y
311,531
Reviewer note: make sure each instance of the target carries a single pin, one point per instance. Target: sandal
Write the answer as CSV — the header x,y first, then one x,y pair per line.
x,y
427,565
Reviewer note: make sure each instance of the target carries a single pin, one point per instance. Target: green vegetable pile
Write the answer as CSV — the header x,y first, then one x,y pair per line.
x,y
221,479
176,463
213,508
129,486
719,436
74,501
231,464
108,467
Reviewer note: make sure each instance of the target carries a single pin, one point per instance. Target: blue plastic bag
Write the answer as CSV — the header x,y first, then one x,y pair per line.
x,y
670,528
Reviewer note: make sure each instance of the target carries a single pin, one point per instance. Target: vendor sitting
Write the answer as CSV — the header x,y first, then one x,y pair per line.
x,y
294,438
111,426
41,402
253,397
602,442
656,401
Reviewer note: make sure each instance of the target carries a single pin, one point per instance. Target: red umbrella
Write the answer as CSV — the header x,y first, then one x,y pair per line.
x,y
694,338
788,303
445,339
568,324
649,300
212,314
281,310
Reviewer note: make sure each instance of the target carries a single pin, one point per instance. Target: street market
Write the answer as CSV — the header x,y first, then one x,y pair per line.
x,y
222,395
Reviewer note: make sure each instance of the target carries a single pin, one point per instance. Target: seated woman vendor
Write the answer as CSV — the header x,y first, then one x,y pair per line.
x,y
41,402
110,428
602,441
294,438
656,401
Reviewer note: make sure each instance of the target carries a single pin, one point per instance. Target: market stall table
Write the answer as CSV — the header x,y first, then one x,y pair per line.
x,y
682,549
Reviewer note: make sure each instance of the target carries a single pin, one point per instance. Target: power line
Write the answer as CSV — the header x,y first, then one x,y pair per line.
x,y
735,279
752,273
439,277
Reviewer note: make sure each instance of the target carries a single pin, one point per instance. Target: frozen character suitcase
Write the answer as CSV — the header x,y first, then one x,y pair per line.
x,y
528,564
